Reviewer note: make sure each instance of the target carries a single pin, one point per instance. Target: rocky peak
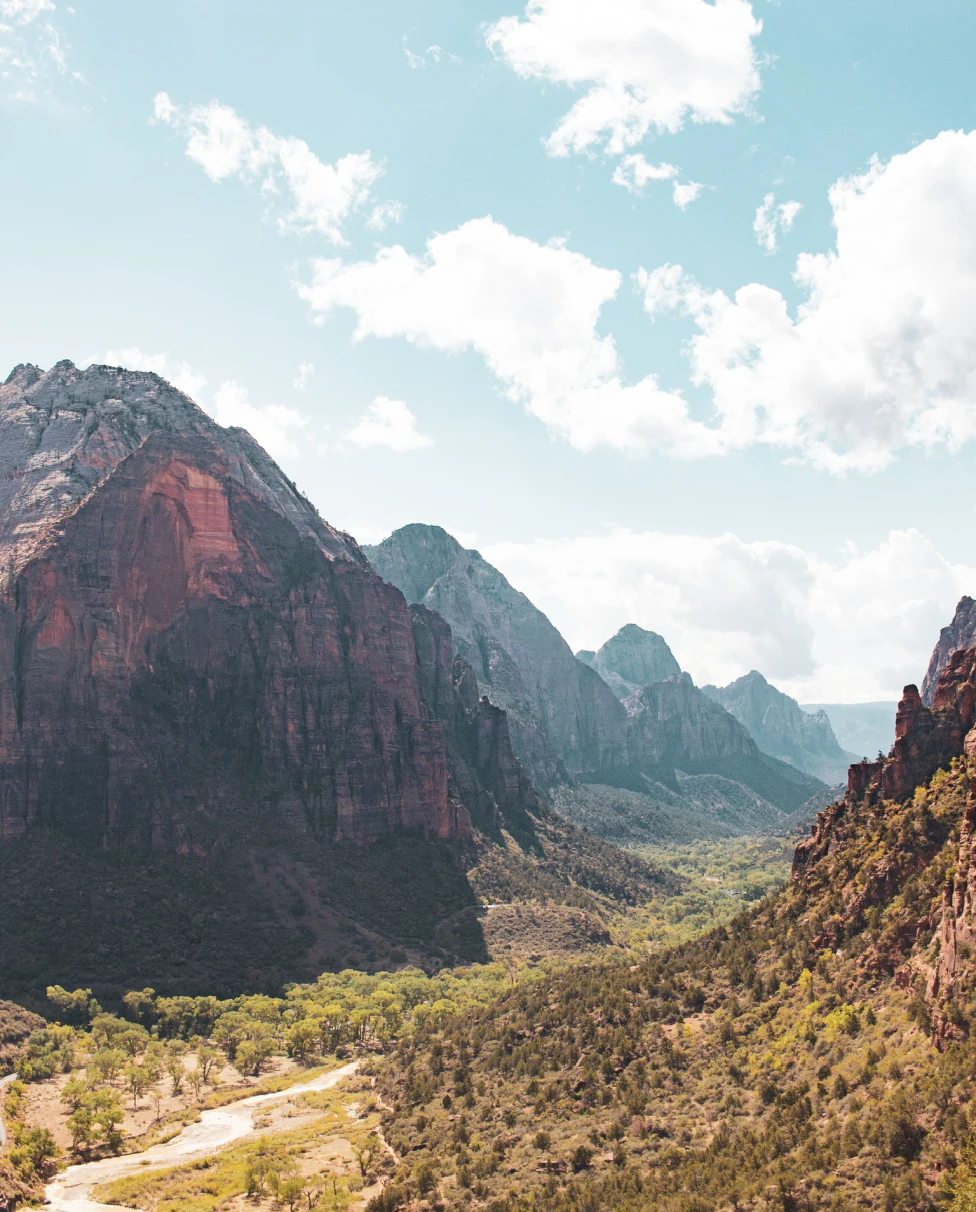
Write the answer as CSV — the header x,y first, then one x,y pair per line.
x,y
563,718
781,728
961,633
631,659
415,557
63,432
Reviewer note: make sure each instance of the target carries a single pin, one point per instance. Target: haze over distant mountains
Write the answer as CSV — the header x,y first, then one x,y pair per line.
x,y
780,728
654,734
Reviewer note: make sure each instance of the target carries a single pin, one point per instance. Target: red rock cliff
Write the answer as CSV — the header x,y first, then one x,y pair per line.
x,y
185,644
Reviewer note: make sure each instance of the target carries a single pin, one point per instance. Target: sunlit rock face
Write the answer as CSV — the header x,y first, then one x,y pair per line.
x,y
184,643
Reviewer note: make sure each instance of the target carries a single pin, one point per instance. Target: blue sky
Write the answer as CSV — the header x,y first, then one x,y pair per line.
x,y
187,188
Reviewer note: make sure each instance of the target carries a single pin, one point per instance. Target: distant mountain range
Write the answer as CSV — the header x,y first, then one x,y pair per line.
x,y
862,728
781,728
624,716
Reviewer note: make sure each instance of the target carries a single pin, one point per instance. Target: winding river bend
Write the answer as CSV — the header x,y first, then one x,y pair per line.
x,y
215,1130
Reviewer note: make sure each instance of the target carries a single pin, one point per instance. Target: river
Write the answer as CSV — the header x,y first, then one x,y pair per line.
x,y
215,1130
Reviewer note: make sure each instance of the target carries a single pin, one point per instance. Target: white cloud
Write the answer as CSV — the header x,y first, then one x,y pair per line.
x,y
644,64
880,356
531,311
388,423
32,49
853,628
385,213
323,196
273,426
305,371
634,172
180,374
433,54
686,192
771,219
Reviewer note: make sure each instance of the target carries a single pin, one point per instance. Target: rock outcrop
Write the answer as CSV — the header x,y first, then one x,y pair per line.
x,y
563,718
927,739
782,729
631,659
961,633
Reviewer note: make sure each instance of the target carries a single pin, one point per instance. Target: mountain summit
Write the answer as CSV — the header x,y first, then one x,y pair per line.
x,y
631,659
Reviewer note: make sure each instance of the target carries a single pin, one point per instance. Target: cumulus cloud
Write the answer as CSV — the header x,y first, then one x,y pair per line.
x,y
275,426
32,49
642,64
853,628
880,356
322,196
531,311
180,374
390,424
635,171
772,219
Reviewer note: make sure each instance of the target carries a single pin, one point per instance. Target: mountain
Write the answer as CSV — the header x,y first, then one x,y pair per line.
x,y
816,1053
782,729
861,728
961,633
230,754
563,718
566,722
631,659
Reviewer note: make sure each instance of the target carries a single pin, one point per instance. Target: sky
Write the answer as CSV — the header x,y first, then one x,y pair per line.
x,y
665,306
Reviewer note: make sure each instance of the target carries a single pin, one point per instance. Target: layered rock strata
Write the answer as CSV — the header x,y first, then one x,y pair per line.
x,y
183,642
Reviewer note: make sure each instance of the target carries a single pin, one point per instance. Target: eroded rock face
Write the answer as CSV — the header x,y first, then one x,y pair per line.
x,y
961,633
782,729
563,718
926,740
185,644
631,659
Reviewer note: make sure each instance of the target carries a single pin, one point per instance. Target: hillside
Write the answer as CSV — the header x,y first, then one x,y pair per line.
x,y
815,1053
782,729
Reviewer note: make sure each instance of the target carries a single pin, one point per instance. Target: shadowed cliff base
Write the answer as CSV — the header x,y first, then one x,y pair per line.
x,y
251,917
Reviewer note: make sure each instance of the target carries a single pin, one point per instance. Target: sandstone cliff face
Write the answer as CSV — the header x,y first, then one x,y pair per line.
x,y
780,728
631,659
183,642
926,740
961,633
563,718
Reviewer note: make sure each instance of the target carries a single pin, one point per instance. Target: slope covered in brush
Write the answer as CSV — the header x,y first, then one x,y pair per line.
x,y
814,1054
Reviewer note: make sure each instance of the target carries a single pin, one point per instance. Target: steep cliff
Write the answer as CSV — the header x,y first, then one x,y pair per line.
x,y
631,659
675,726
780,728
563,718
961,633
230,754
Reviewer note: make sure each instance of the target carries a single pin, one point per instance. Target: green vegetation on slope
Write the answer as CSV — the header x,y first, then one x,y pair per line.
x,y
776,1063
723,878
